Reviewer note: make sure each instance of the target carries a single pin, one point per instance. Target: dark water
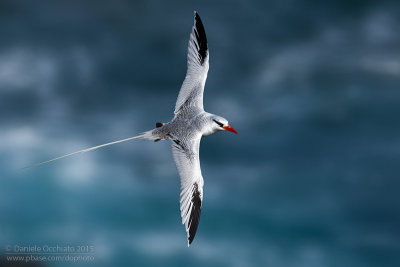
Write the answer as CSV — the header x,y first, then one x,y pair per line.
x,y
312,88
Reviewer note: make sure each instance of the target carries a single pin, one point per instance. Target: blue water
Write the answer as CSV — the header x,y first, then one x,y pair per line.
x,y
312,179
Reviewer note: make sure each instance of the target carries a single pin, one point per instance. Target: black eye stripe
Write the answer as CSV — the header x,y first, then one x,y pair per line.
x,y
217,122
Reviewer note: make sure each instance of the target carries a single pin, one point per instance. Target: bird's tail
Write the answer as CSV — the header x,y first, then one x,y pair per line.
x,y
146,135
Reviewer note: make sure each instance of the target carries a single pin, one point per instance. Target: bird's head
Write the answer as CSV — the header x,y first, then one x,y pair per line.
x,y
221,124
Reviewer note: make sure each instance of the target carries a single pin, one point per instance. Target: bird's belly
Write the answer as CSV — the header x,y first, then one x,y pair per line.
x,y
184,129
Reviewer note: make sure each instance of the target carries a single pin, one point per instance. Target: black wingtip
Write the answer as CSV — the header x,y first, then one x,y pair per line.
x,y
195,214
201,38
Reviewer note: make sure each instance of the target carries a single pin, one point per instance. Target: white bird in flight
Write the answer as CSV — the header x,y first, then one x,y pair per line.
x,y
185,130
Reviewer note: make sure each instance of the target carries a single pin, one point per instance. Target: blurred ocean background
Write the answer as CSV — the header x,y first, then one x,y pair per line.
x,y
312,87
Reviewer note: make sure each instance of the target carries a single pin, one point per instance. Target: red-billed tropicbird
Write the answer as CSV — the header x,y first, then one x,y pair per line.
x,y
185,130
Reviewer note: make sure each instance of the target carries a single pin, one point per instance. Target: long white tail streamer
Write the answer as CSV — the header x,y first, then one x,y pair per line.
x,y
88,149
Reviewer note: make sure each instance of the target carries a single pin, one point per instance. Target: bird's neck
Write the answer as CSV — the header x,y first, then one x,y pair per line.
x,y
208,125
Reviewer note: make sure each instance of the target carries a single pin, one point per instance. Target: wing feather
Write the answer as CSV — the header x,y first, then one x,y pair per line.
x,y
191,93
186,156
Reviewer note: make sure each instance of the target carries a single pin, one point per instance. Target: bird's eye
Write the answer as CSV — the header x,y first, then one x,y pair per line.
x,y
217,122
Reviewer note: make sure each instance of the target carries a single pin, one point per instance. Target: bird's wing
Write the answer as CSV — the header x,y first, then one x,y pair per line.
x,y
191,93
186,156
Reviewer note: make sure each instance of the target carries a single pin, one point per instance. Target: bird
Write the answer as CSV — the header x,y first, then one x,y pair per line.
x,y
189,124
